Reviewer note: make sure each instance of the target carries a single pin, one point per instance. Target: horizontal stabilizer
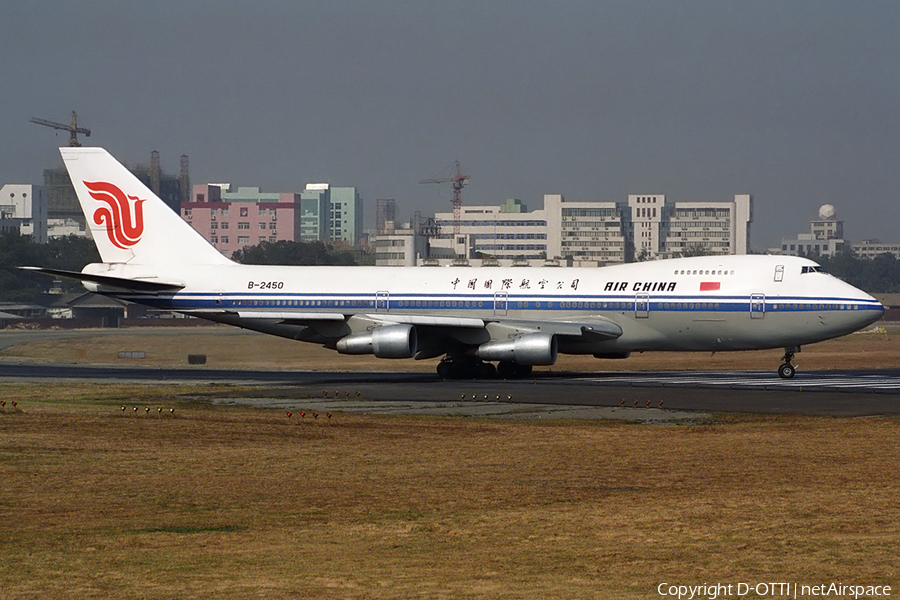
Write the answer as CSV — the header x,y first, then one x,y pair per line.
x,y
136,285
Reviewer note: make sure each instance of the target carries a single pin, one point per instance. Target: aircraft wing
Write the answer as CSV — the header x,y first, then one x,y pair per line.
x,y
588,329
119,283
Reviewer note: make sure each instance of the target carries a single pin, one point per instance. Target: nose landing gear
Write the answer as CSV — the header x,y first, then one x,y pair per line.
x,y
787,370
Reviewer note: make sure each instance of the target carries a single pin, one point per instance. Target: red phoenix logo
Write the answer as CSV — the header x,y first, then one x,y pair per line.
x,y
123,220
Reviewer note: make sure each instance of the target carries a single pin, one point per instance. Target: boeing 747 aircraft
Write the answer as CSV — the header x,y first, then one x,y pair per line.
x,y
473,317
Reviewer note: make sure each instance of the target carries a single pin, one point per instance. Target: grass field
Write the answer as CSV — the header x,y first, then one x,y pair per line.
x,y
242,503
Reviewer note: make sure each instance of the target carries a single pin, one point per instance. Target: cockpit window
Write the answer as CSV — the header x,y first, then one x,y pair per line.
x,y
813,269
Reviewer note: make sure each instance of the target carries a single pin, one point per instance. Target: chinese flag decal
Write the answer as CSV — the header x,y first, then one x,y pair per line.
x,y
709,286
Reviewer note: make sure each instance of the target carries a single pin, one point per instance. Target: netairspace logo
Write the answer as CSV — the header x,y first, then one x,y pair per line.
x,y
722,591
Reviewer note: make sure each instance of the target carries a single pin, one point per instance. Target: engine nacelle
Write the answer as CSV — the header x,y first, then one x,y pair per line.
x,y
391,341
527,349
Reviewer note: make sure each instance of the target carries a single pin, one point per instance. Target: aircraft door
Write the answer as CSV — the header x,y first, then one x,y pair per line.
x,y
382,301
642,306
779,273
757,306
501,303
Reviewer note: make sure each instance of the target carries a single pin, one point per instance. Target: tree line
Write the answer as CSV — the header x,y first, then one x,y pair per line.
x,y
284,252
70,253
879,275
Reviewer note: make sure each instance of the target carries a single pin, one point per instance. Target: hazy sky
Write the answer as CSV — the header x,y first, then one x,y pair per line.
x,y
797,103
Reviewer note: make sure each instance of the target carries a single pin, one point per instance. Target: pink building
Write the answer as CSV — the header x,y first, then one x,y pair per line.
x,y
231,220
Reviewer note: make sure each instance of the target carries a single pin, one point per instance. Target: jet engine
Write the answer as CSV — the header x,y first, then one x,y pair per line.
x,y
390,341
526,349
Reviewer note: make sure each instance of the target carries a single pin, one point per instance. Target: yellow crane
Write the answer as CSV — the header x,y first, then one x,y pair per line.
x,y
72,128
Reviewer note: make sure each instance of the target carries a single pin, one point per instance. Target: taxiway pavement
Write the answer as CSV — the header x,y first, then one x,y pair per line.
x,y
645,396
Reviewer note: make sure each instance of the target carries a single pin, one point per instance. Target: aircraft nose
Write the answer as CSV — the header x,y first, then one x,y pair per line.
x,y
870,309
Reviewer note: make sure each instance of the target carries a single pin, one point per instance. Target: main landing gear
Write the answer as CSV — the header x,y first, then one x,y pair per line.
x,y
465,368
472,368
787,370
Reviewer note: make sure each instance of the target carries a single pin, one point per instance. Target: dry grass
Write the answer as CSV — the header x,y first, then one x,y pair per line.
x,y
228,347
240,503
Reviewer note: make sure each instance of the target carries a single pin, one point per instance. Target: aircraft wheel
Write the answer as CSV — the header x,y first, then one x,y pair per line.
x,y
461,369
786,371
512,370
523,371
445,370
487,370
506,369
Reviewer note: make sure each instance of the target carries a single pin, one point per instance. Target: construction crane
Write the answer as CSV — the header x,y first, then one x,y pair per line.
x,y
72,128
459,181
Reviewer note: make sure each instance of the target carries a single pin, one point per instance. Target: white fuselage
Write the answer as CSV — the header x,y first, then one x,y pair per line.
x,y
712,303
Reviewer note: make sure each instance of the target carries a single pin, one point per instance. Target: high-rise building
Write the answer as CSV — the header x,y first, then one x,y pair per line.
x,y
590,233
506,232
585,233
231,219
708,227
345,219
314,204
644,231
385,215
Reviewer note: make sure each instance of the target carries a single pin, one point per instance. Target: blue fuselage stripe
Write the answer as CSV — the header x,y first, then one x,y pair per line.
x,y
395,301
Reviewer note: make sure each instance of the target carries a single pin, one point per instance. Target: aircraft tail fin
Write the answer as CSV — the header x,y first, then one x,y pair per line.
x,y
129,223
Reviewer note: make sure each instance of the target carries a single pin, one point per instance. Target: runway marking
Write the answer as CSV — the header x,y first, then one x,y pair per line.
x,y
753,380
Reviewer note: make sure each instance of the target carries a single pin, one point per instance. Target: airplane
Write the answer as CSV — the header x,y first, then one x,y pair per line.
x,y
473,317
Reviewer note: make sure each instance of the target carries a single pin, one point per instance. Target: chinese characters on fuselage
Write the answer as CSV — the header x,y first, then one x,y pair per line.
x,y
510,283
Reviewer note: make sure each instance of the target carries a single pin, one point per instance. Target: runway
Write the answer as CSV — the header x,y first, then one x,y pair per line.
x,y
646,396
881,381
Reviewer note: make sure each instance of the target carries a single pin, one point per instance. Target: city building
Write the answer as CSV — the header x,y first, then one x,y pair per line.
x,y
400,247
504,233
63,227
385,215
23,210
707,227
593,233
345,217
586,233
644,231
581,233
825,237
314,203
331,214
873,248
231,219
